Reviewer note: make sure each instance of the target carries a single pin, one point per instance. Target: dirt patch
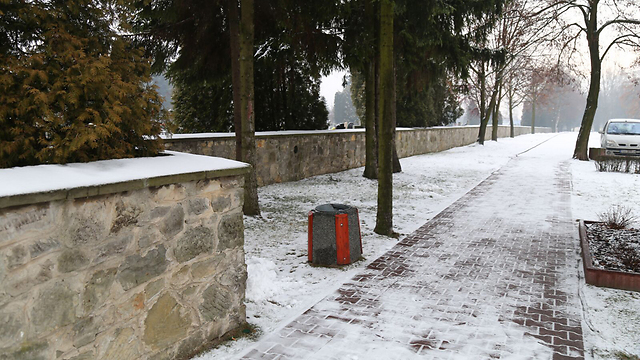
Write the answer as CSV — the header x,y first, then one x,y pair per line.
x,y
614,249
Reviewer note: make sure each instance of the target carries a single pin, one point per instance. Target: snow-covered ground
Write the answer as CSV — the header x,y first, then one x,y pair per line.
x,y
611,317
281,285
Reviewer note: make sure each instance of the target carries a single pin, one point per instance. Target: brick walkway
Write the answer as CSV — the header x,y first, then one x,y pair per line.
x,y
494,276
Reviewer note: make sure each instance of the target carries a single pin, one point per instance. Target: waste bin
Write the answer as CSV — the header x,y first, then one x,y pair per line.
x,y
334,235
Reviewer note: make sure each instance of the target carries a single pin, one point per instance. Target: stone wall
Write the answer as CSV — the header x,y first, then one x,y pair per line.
x,y
138,272
294,155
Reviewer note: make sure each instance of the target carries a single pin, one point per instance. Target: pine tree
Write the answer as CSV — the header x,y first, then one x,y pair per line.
x,y
71,88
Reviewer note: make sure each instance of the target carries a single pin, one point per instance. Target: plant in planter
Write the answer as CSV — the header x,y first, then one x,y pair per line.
x,y
611,249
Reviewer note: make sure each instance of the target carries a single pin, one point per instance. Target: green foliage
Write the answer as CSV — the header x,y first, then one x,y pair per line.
x,y
287,96
292,50
203,106
71,89
435,104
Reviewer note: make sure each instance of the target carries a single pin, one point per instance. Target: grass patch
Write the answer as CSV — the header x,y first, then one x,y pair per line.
x,y
620,355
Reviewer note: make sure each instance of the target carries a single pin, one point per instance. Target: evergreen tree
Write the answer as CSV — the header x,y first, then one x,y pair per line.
x,y
343,108
202,107
71,88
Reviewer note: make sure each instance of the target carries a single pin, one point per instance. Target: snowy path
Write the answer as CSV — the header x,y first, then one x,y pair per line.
x,y
492,276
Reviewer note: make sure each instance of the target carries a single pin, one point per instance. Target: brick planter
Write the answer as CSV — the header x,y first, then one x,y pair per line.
x,y
604,278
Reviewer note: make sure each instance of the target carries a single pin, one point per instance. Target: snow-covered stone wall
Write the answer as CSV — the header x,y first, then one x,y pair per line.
x,y
139,268
294,155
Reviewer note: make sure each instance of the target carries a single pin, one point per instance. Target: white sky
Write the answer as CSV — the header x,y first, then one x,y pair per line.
x,y
330,86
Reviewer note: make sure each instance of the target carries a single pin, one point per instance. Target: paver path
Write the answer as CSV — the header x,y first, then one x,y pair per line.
x,y
494,276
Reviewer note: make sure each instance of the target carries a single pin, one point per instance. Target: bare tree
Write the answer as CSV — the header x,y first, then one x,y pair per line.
x,y
520,33
615,21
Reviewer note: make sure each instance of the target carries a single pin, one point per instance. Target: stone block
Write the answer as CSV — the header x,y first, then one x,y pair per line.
x,y
195,241
85,231
12,324
193,343
149,237
126,216
173,223
220,203
72,260
159,212
207,187
40,247
124,345
89,355
206,268
153,288
170,193
16,256
216,303
54,307
137,269
181,276
231,231
25,278
97,289
13,223
84,331
114,248
28,350
166,323
198,206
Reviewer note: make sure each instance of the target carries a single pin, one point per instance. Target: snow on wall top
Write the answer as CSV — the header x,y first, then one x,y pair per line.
x,y
295,132
48,178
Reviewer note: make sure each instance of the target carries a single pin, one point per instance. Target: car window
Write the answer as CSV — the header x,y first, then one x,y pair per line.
x,y
623,129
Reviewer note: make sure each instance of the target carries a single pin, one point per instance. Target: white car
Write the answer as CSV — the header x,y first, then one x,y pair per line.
x,y
621,137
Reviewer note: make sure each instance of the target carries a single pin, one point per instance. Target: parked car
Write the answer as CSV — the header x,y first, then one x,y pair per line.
x,y
621,137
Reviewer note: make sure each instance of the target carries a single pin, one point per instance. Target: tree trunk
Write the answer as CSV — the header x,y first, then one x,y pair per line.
x,y
593,37
371,160
234,33
496,112
511,129
371,135
395,159
484,122
251,206
533,115
384,217
483,103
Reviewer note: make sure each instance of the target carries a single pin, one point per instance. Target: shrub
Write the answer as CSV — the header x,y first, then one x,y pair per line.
x,y
617,217
71,88
624,165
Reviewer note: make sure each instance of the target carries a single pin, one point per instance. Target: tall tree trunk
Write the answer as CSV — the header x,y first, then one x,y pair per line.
x,y
234,33
371,135
511,129
496,115
384,217
533,115
251,206
484,122
395,159
593,37
483,103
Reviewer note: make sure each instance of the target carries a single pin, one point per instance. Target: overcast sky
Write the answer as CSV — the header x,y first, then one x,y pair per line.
x,y
330,86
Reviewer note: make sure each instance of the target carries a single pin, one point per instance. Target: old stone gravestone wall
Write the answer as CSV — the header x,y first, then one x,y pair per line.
x,y
136,270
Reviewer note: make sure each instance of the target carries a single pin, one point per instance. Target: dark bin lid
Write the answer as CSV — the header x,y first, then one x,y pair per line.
x,y
332,208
